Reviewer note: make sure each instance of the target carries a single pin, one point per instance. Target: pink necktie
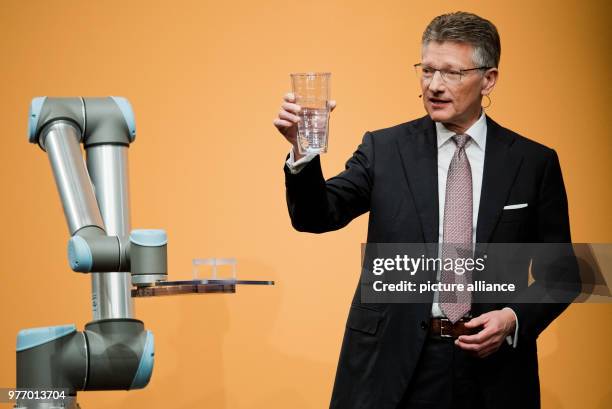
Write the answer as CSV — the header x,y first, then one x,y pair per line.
x,y
457,237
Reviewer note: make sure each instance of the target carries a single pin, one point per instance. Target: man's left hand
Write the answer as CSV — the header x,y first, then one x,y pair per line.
x,y
496,326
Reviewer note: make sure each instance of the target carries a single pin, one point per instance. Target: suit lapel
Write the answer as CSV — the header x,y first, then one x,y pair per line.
x,y
500,169
419,154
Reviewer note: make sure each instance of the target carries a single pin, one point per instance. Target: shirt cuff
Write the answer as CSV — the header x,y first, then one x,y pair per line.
x,y
296,166
512,339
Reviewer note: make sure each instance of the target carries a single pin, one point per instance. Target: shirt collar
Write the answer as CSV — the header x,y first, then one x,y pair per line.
x,y
478,132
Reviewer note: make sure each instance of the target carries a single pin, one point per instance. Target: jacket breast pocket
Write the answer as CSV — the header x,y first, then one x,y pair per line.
x,y
514,215
364,319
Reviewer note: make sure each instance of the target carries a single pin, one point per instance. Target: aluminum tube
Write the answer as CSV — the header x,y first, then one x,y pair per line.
x,y
61,140
108,167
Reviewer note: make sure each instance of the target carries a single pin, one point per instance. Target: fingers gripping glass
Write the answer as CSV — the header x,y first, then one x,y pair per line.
x,y
426,73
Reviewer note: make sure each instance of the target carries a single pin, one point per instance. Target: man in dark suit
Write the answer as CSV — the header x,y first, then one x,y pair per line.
x,y
453,176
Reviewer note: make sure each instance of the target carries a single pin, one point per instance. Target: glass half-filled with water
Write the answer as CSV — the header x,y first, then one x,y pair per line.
x,y
311,90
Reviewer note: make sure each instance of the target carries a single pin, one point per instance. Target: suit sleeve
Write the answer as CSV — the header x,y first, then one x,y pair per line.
x,y
554,268
316,205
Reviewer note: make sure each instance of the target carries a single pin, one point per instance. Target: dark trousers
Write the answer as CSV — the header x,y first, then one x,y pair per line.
x,y
444,379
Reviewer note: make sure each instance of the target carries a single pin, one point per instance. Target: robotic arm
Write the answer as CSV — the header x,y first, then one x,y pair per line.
x,y
114,351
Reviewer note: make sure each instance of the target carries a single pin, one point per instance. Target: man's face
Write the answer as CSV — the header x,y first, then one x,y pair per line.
x,y
452,103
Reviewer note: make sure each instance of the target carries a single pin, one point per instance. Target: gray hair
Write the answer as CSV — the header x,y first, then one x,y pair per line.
x,y
467,28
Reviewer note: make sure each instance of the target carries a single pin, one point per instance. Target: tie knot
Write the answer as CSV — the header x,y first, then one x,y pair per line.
x,y
461,140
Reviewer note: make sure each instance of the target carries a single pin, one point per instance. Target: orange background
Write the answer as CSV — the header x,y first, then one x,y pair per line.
x,y
205,80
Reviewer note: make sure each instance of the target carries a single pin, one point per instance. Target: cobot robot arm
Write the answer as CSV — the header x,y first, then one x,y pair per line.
x,y
114,351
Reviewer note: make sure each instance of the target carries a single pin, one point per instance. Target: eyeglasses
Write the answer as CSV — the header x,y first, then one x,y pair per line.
x,y
426,73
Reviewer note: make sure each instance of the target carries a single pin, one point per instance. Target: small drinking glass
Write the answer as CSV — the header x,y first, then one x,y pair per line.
x,y
311,92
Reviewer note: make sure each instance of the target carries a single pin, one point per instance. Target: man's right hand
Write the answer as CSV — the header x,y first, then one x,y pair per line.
x,y
287,121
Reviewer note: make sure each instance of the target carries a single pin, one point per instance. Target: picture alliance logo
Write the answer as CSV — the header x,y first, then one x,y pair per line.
x,y
411,265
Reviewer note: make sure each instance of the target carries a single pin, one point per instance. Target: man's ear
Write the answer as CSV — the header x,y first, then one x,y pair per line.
x,y
489,79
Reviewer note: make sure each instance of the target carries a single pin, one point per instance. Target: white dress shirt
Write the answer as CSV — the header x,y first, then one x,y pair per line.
x,y
475,151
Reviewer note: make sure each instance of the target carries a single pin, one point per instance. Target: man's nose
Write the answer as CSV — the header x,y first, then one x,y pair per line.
x,y
436,84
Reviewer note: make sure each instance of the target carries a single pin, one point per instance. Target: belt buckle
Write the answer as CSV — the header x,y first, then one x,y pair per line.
x,y
442,334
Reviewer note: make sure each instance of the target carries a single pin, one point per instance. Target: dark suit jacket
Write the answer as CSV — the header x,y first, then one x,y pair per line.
x,y
393,175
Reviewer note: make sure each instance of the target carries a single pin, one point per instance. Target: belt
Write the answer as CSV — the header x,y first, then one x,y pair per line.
x,y
443,328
